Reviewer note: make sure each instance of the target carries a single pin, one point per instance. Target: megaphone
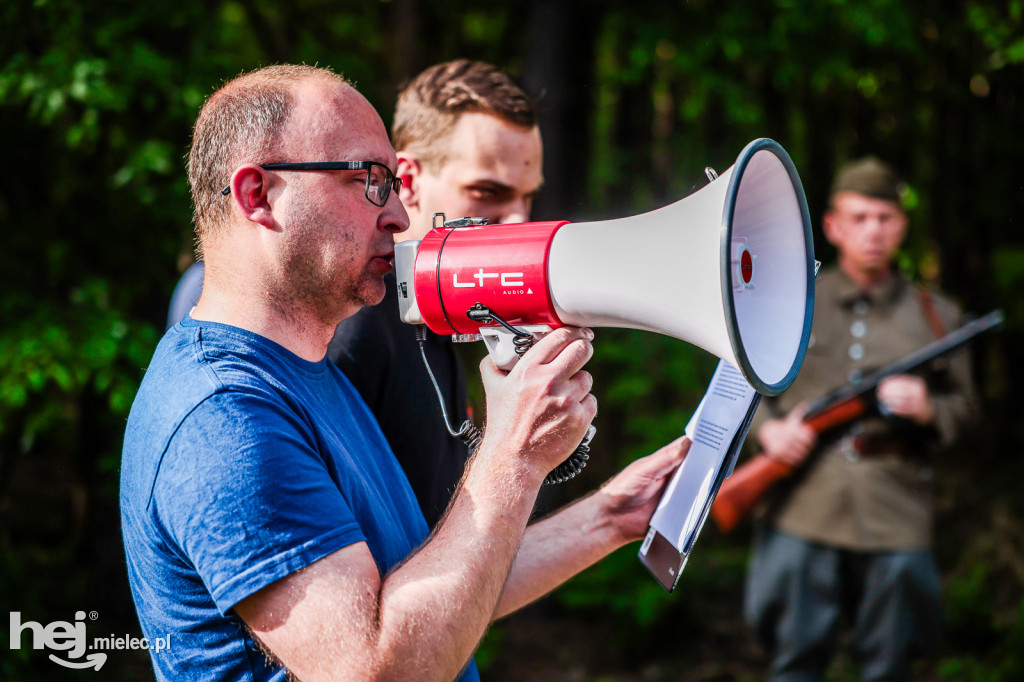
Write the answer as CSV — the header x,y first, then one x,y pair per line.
x,y
729,268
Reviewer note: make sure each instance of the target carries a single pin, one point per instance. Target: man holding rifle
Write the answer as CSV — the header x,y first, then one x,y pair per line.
x,y
847,537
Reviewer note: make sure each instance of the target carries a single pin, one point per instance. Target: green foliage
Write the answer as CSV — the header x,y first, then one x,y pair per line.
x,y
607,589
52,356
988,642
1001,29
97,101
1008,276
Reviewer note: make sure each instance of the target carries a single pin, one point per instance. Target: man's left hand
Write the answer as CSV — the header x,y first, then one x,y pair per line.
x,y
906,396
631,497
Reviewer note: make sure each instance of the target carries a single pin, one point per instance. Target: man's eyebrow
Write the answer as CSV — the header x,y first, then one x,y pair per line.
x,y
382,159
493,184
502,187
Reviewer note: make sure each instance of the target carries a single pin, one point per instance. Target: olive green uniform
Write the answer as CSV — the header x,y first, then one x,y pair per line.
x,y
867,487
850,531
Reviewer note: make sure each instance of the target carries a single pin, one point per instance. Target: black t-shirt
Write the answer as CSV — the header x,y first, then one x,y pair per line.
x,y
379,354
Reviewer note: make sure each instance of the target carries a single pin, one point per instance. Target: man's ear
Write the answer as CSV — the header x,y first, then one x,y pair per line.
x,y
829,227
409,169
250,194
904,223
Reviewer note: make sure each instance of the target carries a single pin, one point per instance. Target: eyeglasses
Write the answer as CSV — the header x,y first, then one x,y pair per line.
x,y
380,181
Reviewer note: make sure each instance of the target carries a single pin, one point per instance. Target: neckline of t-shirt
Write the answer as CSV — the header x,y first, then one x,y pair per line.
x,y
313,368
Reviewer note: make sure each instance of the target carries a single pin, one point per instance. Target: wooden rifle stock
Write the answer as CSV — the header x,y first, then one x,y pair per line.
x,y
741,492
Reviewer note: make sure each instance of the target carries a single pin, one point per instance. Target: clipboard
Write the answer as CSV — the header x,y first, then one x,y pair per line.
x,y
718,428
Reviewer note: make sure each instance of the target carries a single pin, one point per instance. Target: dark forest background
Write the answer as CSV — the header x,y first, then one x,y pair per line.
x,y
96,104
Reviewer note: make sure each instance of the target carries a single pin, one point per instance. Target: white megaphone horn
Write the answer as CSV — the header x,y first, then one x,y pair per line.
x,y
729,268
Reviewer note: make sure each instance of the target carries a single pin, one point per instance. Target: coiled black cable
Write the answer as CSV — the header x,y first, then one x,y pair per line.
x,y
468,432
574,464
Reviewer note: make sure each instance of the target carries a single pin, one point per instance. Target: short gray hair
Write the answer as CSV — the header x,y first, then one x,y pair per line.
x,y
240,123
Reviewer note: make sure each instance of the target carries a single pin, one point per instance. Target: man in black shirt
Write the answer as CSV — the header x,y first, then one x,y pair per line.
x,y
468,145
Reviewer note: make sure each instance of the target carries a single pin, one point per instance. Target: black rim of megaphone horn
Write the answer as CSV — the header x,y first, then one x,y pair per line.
x,y
765,144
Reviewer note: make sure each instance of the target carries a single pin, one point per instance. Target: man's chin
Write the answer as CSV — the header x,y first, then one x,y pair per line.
x,y
377,299
372,293
874,261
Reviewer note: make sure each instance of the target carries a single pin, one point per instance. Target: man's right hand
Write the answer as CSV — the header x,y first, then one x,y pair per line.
x,y
541,409
788,440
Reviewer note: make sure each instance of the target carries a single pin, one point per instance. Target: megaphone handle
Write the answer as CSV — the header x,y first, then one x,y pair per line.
x,y
523,341
470,434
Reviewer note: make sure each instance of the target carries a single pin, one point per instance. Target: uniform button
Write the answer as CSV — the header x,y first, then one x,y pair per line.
x,y
856,352
858,329
854,376
861,307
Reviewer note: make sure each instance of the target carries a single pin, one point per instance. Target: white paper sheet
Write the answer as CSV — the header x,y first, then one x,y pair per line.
x,y
723,412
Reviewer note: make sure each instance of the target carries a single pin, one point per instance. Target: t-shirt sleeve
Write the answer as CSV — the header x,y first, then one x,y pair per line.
x,y
244,495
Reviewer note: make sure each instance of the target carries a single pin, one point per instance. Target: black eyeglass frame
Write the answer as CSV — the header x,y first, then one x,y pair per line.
x,y
391,182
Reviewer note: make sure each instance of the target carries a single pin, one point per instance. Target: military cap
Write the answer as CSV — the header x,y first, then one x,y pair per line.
x,y
870,177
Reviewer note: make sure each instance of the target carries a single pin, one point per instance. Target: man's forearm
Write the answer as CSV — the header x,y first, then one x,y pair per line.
x,y
443,597
561,545
556,548
338,617
956,409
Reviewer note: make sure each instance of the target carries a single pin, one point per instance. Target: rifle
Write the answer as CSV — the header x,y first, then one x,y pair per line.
x,y
748,484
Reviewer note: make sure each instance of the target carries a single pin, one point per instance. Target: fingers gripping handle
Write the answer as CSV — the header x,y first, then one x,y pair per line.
x,y
506,344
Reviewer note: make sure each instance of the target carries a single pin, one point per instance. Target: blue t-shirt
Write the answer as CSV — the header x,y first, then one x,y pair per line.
x,y
243,463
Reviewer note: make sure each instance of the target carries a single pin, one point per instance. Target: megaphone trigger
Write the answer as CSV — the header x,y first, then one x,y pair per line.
x,y
505,344
506,347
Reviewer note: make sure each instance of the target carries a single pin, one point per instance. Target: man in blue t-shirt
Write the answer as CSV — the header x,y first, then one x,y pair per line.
x,y
267,526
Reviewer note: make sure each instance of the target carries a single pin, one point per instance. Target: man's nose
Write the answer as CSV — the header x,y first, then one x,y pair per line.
x,y
394,217
873,226
515,212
